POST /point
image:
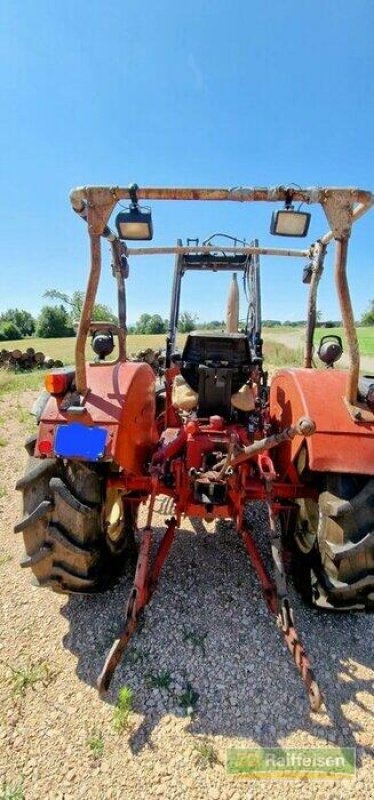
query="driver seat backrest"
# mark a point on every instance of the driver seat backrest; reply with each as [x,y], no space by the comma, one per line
[215,366]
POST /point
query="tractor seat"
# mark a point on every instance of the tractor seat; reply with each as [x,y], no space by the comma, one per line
[215,365]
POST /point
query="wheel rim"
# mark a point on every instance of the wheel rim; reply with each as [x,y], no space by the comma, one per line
[307,525]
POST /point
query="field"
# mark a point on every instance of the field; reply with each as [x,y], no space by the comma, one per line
[277,353]
[283,346]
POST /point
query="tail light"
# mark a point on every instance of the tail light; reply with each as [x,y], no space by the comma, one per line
[59,381]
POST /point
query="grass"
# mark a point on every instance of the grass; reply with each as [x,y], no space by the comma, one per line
[20,382]
[277,354]
[28,677]
[26,419]
[188,700]
[206,754]
[11,792]
[95,743]
[123,709]
[63,349]
[5,559]
[3,441]
[161,680]
[365,338]
[2,492]
[196,639]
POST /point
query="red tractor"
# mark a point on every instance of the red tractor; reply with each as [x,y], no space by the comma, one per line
[207,432]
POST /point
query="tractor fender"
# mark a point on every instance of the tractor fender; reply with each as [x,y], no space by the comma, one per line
[339,444]
[121,399]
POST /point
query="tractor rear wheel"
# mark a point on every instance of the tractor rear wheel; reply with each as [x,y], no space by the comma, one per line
[333,543]
[62,525]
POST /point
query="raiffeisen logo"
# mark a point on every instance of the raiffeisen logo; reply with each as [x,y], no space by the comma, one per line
[276,762]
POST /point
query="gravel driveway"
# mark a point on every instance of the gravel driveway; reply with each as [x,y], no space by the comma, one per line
[206,630]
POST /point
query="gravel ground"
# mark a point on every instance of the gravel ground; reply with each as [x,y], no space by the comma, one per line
[207,626]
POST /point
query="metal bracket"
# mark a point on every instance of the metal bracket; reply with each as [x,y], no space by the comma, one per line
[339,212]
[99,209]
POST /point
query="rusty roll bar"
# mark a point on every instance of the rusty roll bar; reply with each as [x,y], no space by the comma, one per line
[342,289]
[86,314]
[250,250]
[104,195]
[319,251]
[342,206]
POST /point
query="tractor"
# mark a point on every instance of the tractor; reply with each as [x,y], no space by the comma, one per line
[209,432]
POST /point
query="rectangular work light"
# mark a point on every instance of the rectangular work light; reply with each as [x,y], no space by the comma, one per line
[135,223]
[288,222]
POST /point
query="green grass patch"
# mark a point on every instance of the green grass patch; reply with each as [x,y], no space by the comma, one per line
[188,700]
[2,492]
[160,680]
[197,640]
[123,709]
[27,677]
[95,742]
[10,791]
[277,354]
[206,754]
[4,559]
[365,337]
[3,441]
[14,383]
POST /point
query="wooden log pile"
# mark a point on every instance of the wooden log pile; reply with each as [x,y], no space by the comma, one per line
[155,358]
[30,359]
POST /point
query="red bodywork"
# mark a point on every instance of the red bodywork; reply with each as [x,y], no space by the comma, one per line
[120,398]
[340,444]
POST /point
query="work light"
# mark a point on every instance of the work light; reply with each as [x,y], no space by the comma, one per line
[288,222]
[135,222]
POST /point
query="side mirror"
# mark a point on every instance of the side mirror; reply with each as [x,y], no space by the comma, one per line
[330,349]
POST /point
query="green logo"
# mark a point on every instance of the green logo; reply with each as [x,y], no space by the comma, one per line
[305,762]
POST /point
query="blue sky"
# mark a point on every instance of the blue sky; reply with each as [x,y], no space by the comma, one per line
[165,92]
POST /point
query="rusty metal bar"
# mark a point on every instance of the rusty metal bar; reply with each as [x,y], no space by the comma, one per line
[342,289]
[138,598]
[259,251]
[317,270]
[86,313]
[102,195]
[304,427]
[357,213]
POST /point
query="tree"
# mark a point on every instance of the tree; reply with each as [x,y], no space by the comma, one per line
[23,320]
[54,322]
[187,322]
[368,317]
[75,302]
[9,330]
[148,324]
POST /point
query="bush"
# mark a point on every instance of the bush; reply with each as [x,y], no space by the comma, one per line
[22,319]
[368,317]
[187,322]
[9,330]
[54,323]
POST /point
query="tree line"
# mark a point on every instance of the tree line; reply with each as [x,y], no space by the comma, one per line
[55,321]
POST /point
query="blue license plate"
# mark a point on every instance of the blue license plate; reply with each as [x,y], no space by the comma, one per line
[80,441]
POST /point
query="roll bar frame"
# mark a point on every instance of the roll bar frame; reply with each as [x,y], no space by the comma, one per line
[342,207]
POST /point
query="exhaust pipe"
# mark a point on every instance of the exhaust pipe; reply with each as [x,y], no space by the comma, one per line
[232,315]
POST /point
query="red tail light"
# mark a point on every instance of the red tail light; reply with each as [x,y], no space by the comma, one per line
[59,381]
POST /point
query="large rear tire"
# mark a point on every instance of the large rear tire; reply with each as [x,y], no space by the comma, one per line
[62,525]
[333,542]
